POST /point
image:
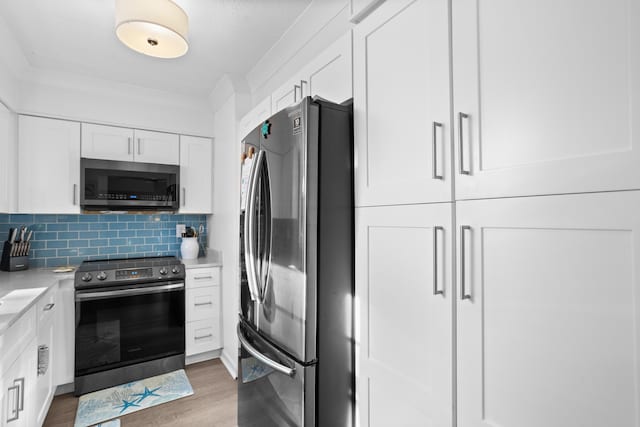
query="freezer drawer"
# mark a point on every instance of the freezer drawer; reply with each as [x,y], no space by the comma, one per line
[273,389]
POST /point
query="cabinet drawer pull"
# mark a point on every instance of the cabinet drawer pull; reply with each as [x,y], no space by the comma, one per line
[463,263]
[436,291]
[139,146]
[461,117]
[204,336]
[434,159]
[199,304]
[15,410]
[48,307]
[203,278]
[129,145]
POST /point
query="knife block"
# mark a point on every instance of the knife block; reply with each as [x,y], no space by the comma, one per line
[14,262]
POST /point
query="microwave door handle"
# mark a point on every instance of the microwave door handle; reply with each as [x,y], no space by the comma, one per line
[261,357]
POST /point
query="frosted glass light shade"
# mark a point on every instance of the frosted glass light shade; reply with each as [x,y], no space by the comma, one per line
[153,27]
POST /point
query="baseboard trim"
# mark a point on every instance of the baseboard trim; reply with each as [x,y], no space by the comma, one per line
[64,389]
[202,357]
[231,367]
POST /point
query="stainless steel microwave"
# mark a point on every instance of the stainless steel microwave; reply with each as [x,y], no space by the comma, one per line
[122,186]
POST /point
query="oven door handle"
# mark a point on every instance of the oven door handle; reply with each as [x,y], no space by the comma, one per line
[129,292]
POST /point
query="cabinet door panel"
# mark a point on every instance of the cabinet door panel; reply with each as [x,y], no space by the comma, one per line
[548,331]
[404,365]
[107,142]
[49,165]
[195,174]
[549,111]
[402,104]
[330,74]
[156,147]
[286,95]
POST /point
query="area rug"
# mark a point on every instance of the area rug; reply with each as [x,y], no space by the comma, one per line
[114,402]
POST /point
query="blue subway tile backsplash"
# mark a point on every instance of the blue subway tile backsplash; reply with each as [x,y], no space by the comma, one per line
[70,239]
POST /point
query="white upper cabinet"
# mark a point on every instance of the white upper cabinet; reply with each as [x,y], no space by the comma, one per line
[404,300]
[49,165]
[156,147]
[402,104]
[548,327]
[287,94]
[133,145]
[107,142]
[195,174]
[544,96]
[329,74]
[254,118]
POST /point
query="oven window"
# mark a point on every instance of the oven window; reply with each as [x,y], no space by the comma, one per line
[120,331]
[103,184]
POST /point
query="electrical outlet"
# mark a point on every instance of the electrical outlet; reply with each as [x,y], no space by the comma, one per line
[180,230]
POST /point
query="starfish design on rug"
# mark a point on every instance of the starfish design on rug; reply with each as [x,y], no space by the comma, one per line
[126,404]
[146,393]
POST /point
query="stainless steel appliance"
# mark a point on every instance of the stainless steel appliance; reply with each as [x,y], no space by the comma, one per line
[296,353]
[115,185]
[129,321]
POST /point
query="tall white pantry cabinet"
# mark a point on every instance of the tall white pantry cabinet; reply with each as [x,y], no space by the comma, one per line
[498,213]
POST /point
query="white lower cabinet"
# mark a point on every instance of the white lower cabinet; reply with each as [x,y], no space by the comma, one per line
[547,311]
[202,310]
[46,347]
[404,302]
[18,384]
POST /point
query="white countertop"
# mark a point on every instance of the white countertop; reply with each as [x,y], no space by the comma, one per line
[213,259]
[19,291]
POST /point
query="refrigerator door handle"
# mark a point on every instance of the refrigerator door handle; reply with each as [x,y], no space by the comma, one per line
[269,232]
[249,253]
[261,357]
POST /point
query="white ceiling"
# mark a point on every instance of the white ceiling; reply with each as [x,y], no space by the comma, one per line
[77,36]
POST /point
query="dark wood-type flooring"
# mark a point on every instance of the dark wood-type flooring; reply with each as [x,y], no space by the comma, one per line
[213,403]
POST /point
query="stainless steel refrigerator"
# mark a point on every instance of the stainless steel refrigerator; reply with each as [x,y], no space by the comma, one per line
[296,355]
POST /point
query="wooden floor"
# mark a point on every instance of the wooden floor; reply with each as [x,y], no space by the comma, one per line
[213,403]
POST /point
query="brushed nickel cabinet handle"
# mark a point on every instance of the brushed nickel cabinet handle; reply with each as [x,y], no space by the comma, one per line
[75,189]
[139,146]
[48,307]
[302,83]
[203,337]
[184,196]
[461,118]
[129,145]
[463,263]
[436,291]
[434,153]
[295,92]
[200,304]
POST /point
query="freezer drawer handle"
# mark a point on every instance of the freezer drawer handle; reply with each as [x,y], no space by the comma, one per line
[199,304]
[262,358]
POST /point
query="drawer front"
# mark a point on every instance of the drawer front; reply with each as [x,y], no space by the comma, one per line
[202,335]
[14,339]
[202,303]
[46,307]
[202,277]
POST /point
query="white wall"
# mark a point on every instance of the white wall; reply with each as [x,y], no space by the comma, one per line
[225,222]
[83,98]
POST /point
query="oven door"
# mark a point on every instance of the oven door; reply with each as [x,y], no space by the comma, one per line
[121,327]
[274,390]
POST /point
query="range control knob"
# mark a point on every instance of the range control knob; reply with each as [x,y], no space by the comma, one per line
[101,276]
[163,271]
[175,269]
[86,277]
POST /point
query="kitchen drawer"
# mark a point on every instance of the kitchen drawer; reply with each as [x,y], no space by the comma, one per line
[45,308]
[14,339]
[202,336]
[202,277]
[203,303]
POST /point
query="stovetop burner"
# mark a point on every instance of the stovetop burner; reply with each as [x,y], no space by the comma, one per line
[116,272]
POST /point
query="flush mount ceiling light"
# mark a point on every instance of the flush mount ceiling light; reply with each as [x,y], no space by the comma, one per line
[153,27]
